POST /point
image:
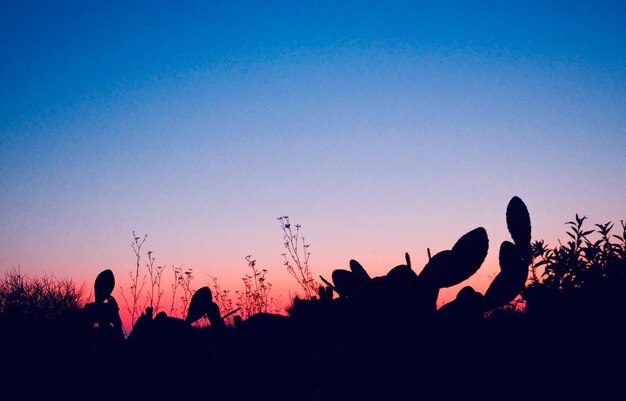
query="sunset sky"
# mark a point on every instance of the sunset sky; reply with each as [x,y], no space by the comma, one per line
[380,127]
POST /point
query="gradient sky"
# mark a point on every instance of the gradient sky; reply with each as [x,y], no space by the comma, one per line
[382,128]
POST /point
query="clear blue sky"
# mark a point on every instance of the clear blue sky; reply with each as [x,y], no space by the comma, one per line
[381,127]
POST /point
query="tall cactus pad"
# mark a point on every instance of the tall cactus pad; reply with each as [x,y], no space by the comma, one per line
[448,268]
[518,222]
[199,304]
[345,282]
[511,279]
[360,274]
[439,271]
[471,251]
[104,285]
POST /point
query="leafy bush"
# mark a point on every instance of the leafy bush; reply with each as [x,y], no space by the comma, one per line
[584,267]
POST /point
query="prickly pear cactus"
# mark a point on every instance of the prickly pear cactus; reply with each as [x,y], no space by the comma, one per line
[511,279]
[450,267]
[199,304]
[360,275]
[470,251]
[344,281]
[437,270]
[468,306]
[325,293]
[518,224]
[104,285]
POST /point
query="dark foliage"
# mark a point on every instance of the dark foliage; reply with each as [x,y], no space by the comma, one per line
[380,338]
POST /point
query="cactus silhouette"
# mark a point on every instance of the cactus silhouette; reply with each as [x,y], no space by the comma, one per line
[451,267]
[467,307]
[346,282]
[360,274]
[199,305]
[470,251]
[104,285]
[325,293]
[511,279]
[149,331]
[104,311]
[372,340]
[514,257]
[518,224]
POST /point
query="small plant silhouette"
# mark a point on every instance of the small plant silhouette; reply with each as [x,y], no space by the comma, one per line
[155,274]
[296,259]
[147,287]
[255,297]
[222,297]
[132,301]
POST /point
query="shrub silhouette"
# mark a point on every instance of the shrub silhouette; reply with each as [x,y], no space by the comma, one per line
[583,274]
[37,299]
